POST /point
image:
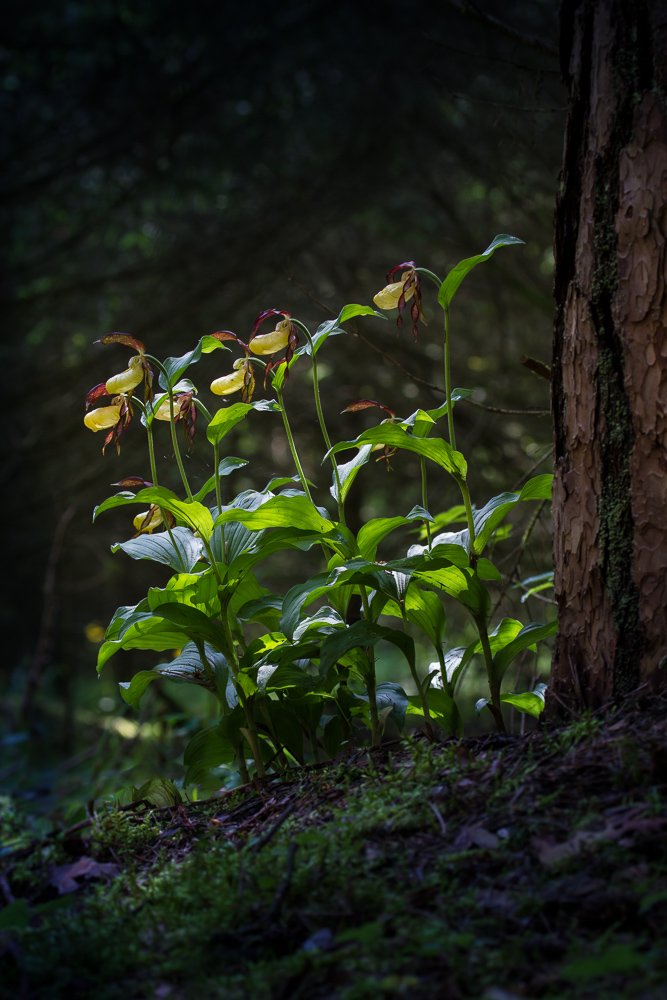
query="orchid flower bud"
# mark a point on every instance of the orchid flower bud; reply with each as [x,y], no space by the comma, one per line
[127,380]
[102,418]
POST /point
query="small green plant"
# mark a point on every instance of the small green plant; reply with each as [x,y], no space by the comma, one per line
[309,683]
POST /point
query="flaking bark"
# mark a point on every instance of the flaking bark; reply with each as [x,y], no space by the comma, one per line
[610,354]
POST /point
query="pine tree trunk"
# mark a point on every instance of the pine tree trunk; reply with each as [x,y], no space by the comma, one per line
[610,355]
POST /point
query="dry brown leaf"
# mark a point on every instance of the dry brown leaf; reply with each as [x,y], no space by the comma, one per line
[64,877]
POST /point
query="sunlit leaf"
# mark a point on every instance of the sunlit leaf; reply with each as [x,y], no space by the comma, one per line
[229,416]
[378,528]
[180,549]
[451,283]
[227,465]
[490,516]
[347,472]
[528,636]
[281,511]
[528,702]
[396,436]
[462,584]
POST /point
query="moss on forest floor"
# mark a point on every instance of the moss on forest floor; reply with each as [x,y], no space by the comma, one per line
[490,868]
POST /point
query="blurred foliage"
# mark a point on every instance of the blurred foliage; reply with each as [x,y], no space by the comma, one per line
[170,170]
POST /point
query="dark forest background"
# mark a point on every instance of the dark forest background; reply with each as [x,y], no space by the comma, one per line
[170,169]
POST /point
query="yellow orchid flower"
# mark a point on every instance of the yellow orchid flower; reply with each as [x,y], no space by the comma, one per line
[127,380]
[163,411]
[102,418]
[269,343]
[388,297]
[227,384]
[396,294]
[148,520]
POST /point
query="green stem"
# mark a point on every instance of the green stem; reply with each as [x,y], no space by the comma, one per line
[494,687]
[448,383]
[240,760]
[172,426]
[216,458]
[422,462]
[370,681]
[174,441]
[418,684]
[320,417]
[250,732]
[429,274]
[295,456]
[218,497]
[376,736]
[465,493]
[151,456]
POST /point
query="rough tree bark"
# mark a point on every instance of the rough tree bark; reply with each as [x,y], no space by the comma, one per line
[610,355]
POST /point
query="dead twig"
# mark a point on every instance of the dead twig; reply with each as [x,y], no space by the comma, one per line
[263,841]
[411,375]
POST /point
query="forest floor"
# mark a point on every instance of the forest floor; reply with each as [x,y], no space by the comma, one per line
[494,867]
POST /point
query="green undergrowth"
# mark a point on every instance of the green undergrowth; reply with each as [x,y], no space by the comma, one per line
[409,871]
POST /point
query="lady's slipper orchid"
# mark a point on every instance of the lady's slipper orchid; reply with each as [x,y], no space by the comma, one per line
[269,343]
[227,384]
[389,296]
[184,409]
[365,404]
[102,418]
[284,337]
[116,418]
[128,380]
[149,520]
[395,295]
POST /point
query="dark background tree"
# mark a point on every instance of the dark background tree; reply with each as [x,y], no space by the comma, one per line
[172,169]
[610,355]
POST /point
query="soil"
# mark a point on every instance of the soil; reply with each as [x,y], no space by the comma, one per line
[495,867]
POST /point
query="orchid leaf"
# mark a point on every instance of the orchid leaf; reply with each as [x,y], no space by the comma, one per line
[180,549]
[451,283]
[527,637]
[363,633]
[396,436]
[281,512]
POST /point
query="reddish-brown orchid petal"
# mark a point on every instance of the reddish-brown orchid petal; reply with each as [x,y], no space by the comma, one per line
[265,315]
[292,345]
[125,416]
[415,313]
[248,390]
[188,414]
[400,267]
[365,404]
[96,393]
[228,335]
[387,453]
[132,481]
[148,381]
[123,338]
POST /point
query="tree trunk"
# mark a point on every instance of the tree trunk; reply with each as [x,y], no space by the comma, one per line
[610,355]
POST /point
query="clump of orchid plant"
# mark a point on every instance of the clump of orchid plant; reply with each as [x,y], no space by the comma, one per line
[294,674]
